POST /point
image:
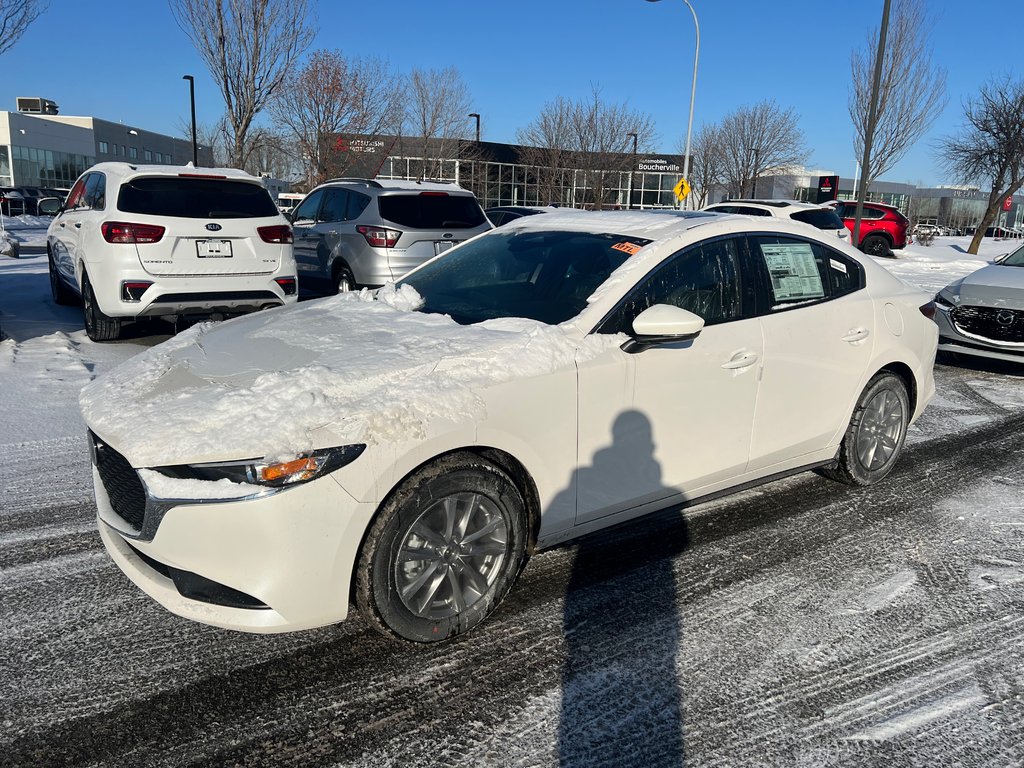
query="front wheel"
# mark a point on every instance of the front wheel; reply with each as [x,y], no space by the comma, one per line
[98,326]
[444,550]
[874,439]
[61,293]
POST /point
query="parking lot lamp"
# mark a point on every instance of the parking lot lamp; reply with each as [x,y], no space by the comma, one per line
[192,100]
[693,88]
[632,169]
[477,116]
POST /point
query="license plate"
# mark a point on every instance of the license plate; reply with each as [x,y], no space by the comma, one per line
[213,249]
[440,246]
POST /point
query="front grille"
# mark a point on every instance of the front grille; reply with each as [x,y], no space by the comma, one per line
[995,323]
[121,482]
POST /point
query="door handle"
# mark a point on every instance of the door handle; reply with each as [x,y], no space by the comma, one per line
[78,225]
[740,360]
[856,334]
[63,224]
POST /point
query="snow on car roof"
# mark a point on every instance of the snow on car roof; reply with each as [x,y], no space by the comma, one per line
[131,170]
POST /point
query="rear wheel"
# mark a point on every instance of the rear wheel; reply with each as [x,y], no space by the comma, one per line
[875,245]
[443,551]
[344,281]
[874,439]
[98,326]
[61,293]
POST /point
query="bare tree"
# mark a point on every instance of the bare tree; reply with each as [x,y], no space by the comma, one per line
[912,91]
[759,140]
[990,147]
[15,18]
[547,143]
[707,165]
[331,95]
[438,107]
[249,46]
[588,138]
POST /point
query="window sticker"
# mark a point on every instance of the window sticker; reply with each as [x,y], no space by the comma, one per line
[838,266]
[630,248]
[793,271]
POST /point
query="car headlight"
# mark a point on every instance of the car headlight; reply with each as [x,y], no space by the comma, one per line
[943,300]
[301,469]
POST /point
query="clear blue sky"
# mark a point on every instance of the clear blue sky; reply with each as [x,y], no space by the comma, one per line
[123,60]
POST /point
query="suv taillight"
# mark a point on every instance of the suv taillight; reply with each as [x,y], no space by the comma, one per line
[379,237]
[278,233]
[123,232]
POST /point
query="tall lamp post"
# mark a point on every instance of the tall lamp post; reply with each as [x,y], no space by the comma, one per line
[632,169]
[192,101]
[693,88]
[477,116]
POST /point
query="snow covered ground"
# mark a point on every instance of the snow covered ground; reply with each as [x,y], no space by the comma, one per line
[798,624]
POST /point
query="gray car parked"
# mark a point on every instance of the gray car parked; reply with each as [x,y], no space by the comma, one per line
[352,233]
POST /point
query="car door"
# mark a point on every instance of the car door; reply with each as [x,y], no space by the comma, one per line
[306,240]
[67,231]
[673,419]
[818,323]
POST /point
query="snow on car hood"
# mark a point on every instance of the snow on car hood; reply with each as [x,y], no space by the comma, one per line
[347,369]
[991,286]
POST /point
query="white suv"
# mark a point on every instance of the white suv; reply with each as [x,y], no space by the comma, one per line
[155,240]
[818,216]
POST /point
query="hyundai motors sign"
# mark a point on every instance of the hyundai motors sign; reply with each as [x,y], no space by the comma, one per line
[828,188]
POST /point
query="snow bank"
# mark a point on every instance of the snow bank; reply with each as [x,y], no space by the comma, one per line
[346,369]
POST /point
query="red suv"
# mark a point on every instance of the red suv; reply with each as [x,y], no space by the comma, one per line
[882,227]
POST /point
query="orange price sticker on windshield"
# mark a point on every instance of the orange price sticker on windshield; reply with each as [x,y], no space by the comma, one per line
[630,248]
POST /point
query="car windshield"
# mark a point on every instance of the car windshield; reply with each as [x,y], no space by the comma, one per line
[195,198]
[1015,259]
[432,210]
[544,276]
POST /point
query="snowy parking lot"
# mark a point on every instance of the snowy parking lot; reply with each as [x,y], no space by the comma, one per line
[801,623]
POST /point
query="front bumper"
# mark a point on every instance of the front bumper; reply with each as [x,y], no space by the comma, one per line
[951,339]
[290,553]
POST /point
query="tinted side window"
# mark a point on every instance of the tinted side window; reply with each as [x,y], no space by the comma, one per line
[335,205]
[432,210]
[306,212]
[95,192]
[844,274]
[195,198]
[704,279]
[357,203]
[748,211]
[77,193]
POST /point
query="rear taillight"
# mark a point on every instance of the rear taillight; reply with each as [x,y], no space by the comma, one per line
[379,237]
[123,232]
[278,233]
[132,290]
[928,310]
[288,284]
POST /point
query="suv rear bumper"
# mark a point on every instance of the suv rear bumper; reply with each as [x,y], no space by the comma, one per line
[206,294]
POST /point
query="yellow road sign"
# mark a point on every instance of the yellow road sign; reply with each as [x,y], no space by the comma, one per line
[682,189]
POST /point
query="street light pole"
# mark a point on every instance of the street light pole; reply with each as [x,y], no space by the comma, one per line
[192,101]
[477,116]
[693,88]
[632,169]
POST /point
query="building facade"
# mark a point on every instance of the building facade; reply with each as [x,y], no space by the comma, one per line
[52,150]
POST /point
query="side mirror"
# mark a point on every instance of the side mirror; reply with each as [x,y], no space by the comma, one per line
[1000,258]
[49,206]
[663,324]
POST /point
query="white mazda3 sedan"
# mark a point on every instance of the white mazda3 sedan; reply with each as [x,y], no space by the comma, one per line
[406,451]
[168,241]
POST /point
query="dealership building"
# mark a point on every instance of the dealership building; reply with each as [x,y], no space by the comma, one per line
[41,148]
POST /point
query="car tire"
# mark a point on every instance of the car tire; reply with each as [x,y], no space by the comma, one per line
[344,281]
[874,438]
[875,245]
[98,326]
[61,293]
[443,551]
